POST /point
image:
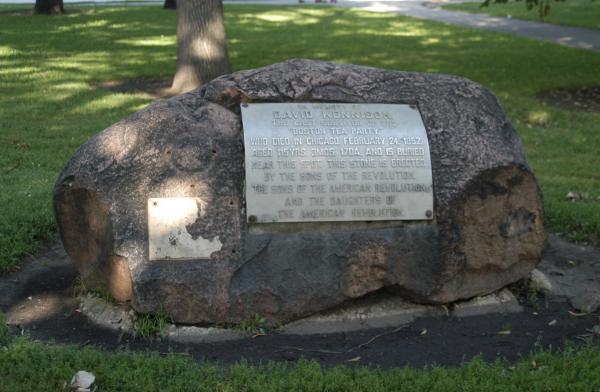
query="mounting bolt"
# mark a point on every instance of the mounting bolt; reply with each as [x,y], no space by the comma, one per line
[429,213]
[252,218]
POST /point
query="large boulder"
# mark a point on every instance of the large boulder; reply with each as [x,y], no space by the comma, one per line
[487,228]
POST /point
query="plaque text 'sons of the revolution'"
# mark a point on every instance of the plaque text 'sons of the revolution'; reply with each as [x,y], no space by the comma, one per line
[312,162]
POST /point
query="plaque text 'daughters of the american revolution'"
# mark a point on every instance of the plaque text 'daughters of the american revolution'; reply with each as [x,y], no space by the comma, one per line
[308,162]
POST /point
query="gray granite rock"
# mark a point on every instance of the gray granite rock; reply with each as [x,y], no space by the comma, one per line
[384,311]
[487,231]
[540,282]
[501,302]
[110,316]
[570,271]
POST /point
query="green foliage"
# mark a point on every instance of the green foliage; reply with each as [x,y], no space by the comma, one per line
[28,366]
[81,289]
[579,13]
[4,336]
[255,324]
[151,326]
[49,104]
[528,293]
[103,294]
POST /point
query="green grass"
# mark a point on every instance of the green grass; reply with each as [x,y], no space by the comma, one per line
[28,366]
[151,326]
[4,332]
[255,324]
[49,105]
[580,13]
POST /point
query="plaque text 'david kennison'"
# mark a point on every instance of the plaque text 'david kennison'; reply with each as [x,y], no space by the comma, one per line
[336,162]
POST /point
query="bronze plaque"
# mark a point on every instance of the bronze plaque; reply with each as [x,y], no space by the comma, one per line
[313,162]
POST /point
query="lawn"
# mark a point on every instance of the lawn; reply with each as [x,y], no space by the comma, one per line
[49,104]
[579,13]
[29,366]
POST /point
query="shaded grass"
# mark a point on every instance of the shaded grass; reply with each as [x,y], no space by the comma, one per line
[48,106]
[151,326]
[578,13]
[28,366]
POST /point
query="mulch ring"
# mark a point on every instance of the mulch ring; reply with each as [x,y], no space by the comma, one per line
[155,88]
[584,99]
[38,300]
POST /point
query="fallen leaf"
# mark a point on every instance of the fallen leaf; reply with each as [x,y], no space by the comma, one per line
[82,381]
[533,364]
[551,323]
[446,310]
[424,332]
[572,263]
[355,359]
[577,196]
[504,332]
[575,314]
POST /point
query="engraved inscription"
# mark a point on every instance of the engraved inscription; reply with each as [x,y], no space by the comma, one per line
[336,162]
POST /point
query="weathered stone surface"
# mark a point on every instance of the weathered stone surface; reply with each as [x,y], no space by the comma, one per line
[570,271]
[384,311]
[539,282]
[111,316]
[501,302]
[487,231]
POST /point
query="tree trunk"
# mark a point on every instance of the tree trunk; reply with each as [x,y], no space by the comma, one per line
[170,4]
[49,7]
[201,44]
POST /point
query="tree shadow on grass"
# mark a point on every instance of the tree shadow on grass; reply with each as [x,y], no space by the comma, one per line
[51,67]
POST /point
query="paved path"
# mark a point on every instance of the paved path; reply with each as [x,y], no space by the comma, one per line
[568,36]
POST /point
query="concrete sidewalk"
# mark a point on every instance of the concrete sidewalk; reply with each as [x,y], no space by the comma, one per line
[575,37]
[568,36]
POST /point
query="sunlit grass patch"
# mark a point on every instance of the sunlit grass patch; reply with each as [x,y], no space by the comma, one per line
[578,13]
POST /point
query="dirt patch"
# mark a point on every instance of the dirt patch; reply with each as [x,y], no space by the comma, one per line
[585,99]
[155,88]
[38,300]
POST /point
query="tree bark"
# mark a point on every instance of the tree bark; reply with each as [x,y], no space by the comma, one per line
[49,7]
[170,4]
[201,44]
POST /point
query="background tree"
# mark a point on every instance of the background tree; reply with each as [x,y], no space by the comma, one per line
[201,44]
[170,4]
[48,7]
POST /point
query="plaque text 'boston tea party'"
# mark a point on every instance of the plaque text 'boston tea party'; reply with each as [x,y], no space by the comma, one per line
[308,162]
